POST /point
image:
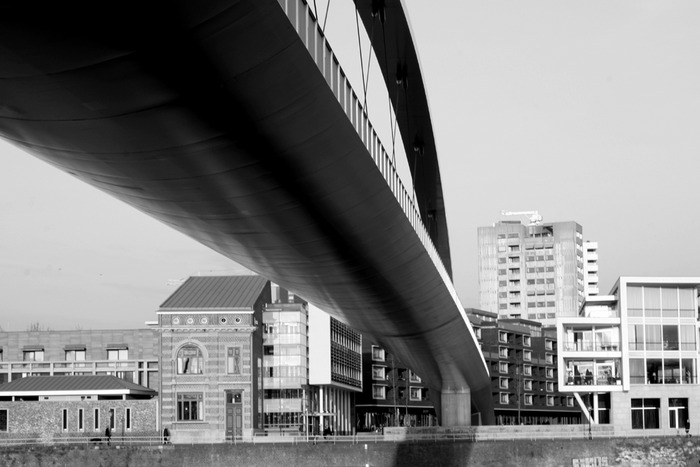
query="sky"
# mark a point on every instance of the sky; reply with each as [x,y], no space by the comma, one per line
[584,111]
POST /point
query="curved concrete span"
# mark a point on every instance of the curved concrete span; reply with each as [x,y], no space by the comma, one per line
[214,118]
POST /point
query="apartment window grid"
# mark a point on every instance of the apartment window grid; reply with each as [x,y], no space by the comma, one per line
[347,365]
[346,336]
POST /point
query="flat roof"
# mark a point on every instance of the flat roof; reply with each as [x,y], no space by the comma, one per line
[72,385]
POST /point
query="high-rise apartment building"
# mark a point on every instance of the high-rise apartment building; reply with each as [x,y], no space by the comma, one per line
[531,271]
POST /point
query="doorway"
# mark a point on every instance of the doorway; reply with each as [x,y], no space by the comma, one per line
[234,414]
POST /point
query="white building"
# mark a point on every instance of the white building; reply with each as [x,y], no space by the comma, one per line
[631,358]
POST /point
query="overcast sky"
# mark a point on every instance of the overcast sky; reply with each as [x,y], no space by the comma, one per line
[584,111]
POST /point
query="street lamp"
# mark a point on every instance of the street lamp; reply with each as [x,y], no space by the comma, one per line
[590,417]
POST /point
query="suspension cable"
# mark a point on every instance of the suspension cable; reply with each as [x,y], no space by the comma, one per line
[359,45]
[315,10]
[325,18]
[369,63]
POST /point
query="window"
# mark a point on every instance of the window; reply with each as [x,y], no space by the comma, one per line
[502,336]
[81,417]
[636,336]
[378,372]
[637,371]
[477,333]
[549,359]
[550,386]
[118,354]
[75,355]
[526,341]
[189,360]
[377,353]
[503,367]
[547,344]
[528,384]
[415,394]
[127,419]
[503,396]
[569,401]
[33,356]
[527,355]
[64,419]
[550,400]
[549,372]
[503,383]
[233,361]
[96,420]
[414,378]
[670,337]
[645,414]
[677,412]
[503,352]
[112,420]
[3,420]
[378,392]
[189,407]
[527,370]
[528,399]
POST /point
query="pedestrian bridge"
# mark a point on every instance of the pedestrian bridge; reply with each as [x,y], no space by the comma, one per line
[234,123]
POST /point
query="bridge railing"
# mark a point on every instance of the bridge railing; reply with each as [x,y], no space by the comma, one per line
[302,18]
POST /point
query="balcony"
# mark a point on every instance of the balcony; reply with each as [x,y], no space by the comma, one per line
[583,346]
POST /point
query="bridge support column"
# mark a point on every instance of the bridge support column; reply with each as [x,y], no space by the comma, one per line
[456,407]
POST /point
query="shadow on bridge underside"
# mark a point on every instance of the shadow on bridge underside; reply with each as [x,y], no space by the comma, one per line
[213,118]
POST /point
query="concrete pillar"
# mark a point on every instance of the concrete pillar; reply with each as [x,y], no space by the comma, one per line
[456,407]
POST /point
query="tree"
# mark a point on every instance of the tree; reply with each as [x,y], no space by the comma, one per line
[37,326]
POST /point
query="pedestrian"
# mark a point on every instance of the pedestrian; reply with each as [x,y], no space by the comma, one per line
[687,427]
[108,435]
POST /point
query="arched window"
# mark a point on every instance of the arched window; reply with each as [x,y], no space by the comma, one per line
[189,360]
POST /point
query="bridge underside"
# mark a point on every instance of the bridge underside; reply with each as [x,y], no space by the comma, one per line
[212,118]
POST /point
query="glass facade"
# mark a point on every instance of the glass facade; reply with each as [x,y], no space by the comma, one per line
[662,334]
[285,365]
